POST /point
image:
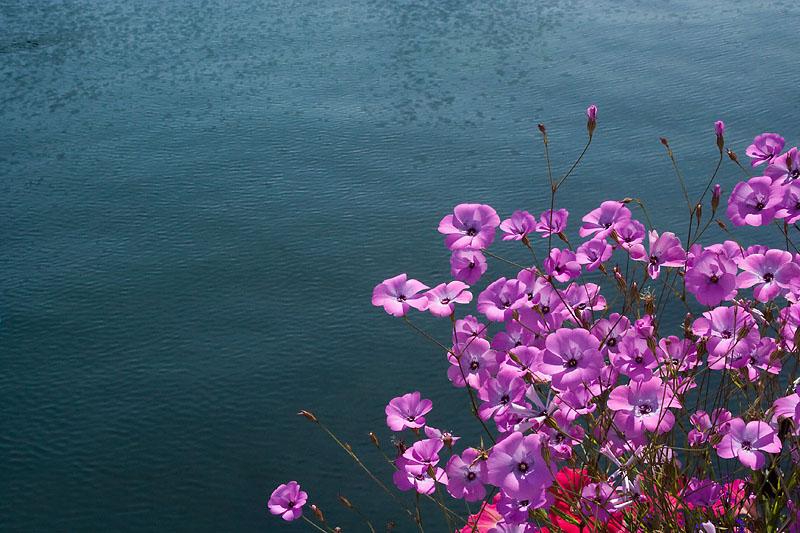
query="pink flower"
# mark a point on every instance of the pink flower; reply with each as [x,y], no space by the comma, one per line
[665,250]
[719,128]
[467,265]
[473,364]
[754,202]
[466,475]
[630,232]
[498,394]
[499,300]
[571,358]
[470,226]
[561,264]
[769,272]
[591,112]
[789,208]
[635,359]
[406,411]
[445,436]
[721,327]
[746,442]
[287,500]
[552,222]
[602,221]
[516,466]
[518,226]
[643,405]
[592,253]
[711,278]
[441,299]
[764,148]
[784,168]
[397,295]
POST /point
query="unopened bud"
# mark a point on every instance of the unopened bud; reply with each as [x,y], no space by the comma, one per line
[546,454]
[715,195]
[317,513]
[698,212]
[390,526]
[626,200]
[621,283]
[542,128]
[345,501]
[308,416]
[634,291]
[664,141]
[591,114]
[721,224]
[602,268]
[687,327]
[337,529]
[732,155]
[374,439]
[719,128]
[563,237]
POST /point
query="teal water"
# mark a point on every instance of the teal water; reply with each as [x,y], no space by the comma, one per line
[198,198]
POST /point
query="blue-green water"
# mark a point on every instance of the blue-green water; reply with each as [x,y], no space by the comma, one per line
[198,198]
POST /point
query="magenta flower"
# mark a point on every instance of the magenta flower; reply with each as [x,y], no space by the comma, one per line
[789,208]
[561,264]
[467,265]
[643,405]
[679,354]
[754,202]
[572,358]
[441,299]
[470,226]
[665,250]
[287,500]
[784,168]
[702,492]
[630,232]
[421,455]
[769,273]
[764,148]
[711,278]
[591,113]
[719,128]
[473,364]
[514,335]
[635,359]
[499,300]
[466,475]
[397,295]
[406,411]
[518,226]
[746,442]
[552,222]
[422,482]
[516,466]
[603,220]
[708,426]
[515,513]
[498,394]
[592,253]
[445,436]
[598,500]
[722,326]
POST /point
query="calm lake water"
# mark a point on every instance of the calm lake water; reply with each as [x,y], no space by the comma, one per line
[198,198]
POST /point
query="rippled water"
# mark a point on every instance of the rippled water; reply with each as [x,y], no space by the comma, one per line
[198,198]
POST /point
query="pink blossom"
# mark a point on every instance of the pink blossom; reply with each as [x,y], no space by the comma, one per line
[722,326]
[552,222]
[421,482]
[397,295]
[630,232]
[665,250]
[643,405]
[441,299]
[287,500]
[466,475]
[445,436]
[498,394]
[470,226]
[769,273]
[784,168]
[473,363]
[467,328]
[499,300]
[753,202]
[592,253]
[789,207]
[571,358]
[518,226]
[602,221]
[406,411]
[746,442]
[711,278]
[467,265]
[516,466]
[635,359]
[679,354]
[561,265]
[764,148]
[423,454]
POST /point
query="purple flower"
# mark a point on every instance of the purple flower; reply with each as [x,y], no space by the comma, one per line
[287,500]
[470,226]
[711,278]
[421,455]
[466,475]
[602,221]
[516,466]
[719,128]
[630,232]
[592,253]
[406,411]
[445,436]
[561,264]
[591,112]
[769,273]
[789,208]
[764,148]
[552,222]
[397,294]
[643,405]
[467,265]
[571,358]
[665,250]
[722,326]
[598,500]
[702,492]
[441,299]
[679,354]
[498,394]
[473,363]
[754,202]
[422,482]
[518,226]
[746,442]
[499,300]
[468,327]
[635,359]
[784,168]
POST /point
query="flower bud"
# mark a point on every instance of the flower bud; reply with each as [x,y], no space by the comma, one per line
[721,224]
[664,142]
[719,128]
[374,439]
[308,416]
[317,513]
[542,128]
[715,196]
[732,156]
[591,113]
[345,501]
[698,212]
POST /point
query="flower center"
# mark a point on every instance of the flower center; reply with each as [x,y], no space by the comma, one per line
[472,265]
[726,334]
[290,505]
[445,301]
[645,409]
[768,277]
[471,476]
[713,279]
[759,206]
[411,418]
[607,225]
[612,342]
[746,445]
[572,363]
[505,399]
[401,297]
[474,365]
[545,310]
[653,260]
[523,467]
[471,232]
[639,359]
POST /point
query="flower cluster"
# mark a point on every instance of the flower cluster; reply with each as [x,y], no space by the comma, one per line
[565,366]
